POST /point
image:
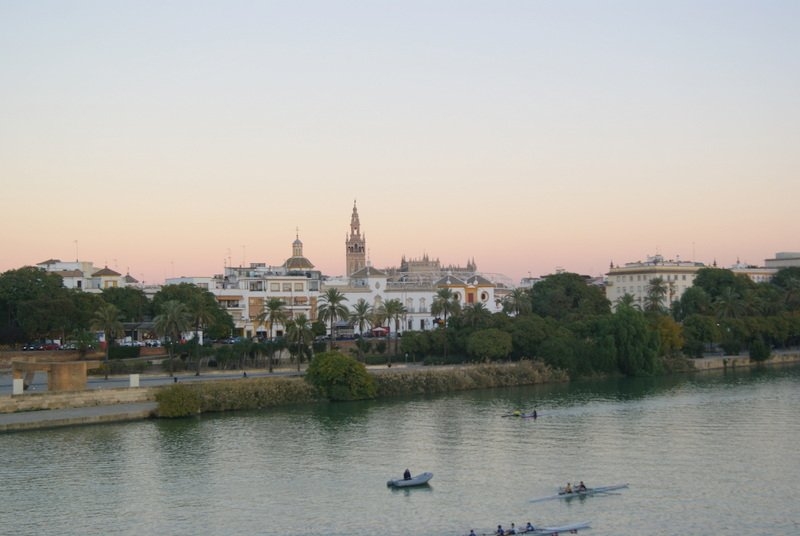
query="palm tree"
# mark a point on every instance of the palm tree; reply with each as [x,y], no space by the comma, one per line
[107,320]
[361,317]
[201,314]
[172,322]
[394,310]
[445,303]
[332,308]
[298,331]
[273,312]
[728,304]
[518,302]
[656,293]
[477,316]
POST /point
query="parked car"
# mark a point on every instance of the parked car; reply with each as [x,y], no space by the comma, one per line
[30,346]
[51,346]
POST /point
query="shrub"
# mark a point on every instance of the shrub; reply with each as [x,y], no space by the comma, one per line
[759,351]
[340,377]
[182,400]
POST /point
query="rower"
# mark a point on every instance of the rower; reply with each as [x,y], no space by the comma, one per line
[500,531]
[581,486]
[407,475]
[529,527]
[568,488]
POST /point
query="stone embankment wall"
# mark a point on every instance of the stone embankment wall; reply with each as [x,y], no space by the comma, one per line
[77,399]
[743,361]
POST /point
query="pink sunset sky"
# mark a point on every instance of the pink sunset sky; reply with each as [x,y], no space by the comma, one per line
[169,139]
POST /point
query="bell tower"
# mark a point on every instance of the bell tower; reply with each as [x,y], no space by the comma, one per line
[356,245]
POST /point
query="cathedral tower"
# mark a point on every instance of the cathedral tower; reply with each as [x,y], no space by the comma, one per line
[356,245]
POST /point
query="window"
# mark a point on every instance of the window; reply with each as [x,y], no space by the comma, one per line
[275,287]
[298,287]
[287,287]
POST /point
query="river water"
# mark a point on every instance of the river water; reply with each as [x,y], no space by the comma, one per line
[715,453]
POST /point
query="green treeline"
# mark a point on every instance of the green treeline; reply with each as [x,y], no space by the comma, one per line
[562,321]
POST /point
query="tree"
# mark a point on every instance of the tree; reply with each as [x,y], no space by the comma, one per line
[107,320]
[171,322]
[186,293]
[567,296]
[518,302]
[201,314]
[476,316]
[19,287]
[728,304]
[394,311]
[332,308]
[445,303]
[656,294]
[489,344]
[637,346]
[273,312]
[340,377]
[361,316]
[132,302]
[299,334]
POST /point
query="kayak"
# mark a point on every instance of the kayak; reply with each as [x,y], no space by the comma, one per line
[585,493]
[419,480]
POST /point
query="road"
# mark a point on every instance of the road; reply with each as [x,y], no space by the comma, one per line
[39,383]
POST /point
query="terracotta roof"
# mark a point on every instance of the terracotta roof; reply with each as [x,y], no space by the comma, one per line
[106,272]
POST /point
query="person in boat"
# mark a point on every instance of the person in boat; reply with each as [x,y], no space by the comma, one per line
[500,531]
[407,475]
[529,527]
[512,530]
[471,532]
[568,488]
[517,413]
[581,486]
[534,414]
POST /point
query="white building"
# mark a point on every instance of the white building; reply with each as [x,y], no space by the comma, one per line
[634,278]
[83,275]
[244,291]
[783,259]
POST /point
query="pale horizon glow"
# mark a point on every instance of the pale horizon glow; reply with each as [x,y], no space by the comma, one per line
[173,139]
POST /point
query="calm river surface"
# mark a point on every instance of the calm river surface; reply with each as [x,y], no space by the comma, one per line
[715,453]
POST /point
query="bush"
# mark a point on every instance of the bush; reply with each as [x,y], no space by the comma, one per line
[179,401]
[182,400]
[482,376]
[340,377]
[759,351]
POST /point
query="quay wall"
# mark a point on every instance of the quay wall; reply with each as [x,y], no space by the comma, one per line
[77,399]
[742,361]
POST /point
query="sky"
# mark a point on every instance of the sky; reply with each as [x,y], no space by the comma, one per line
[168,139]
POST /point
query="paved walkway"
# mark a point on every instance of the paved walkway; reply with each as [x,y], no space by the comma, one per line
[53,418]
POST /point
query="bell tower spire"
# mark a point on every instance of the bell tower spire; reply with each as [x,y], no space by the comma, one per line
[355,245]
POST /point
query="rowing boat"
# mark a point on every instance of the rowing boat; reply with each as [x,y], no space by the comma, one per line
[419,480]
[572,528]
[521,415]
[584,493]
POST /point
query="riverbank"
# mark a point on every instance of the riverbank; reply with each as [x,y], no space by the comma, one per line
[47,410]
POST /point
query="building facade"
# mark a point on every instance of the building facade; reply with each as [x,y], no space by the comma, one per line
[634,279]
